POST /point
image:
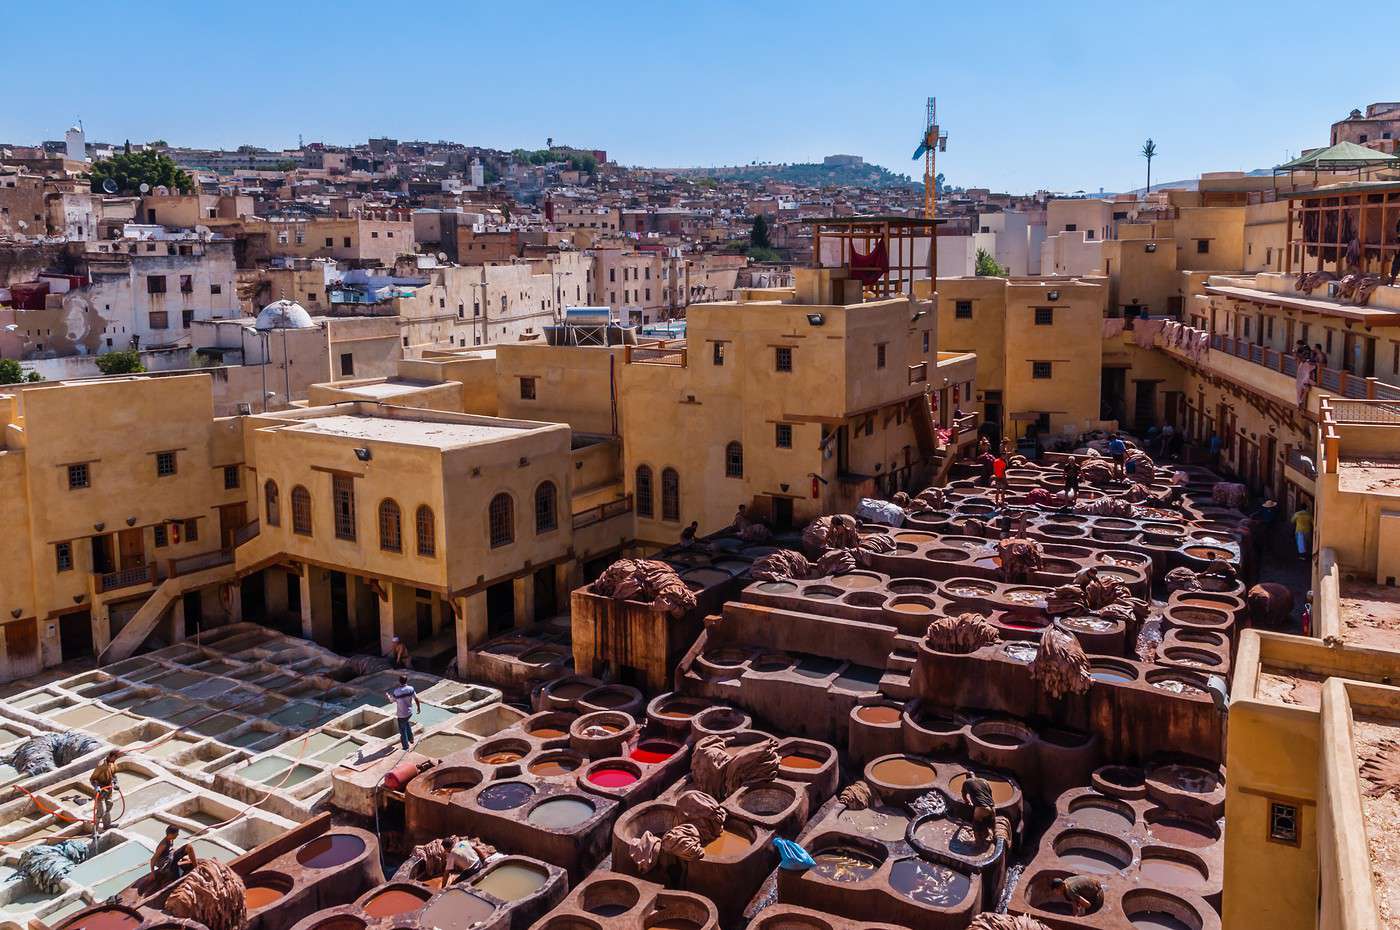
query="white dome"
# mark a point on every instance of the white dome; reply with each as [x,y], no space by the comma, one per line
[283,314]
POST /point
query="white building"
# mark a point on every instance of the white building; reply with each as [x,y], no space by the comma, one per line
[75,144]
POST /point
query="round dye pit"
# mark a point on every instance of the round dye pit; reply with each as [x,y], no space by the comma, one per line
[958,838]
[844,864]
[547,733]
[725,658]
[502,757]
[511,881]
[257,895]
[653,751]
[679,710]
[927,883]
[330,851]
[878,714]
[801,761]
[1178,831]
[505,796]
[561,813]
[1155,910]
[1111,673]
[609,898]
[777,587]
[913,604]
[1003,734]
[1177,684]
[394,901]
[821,592]
[1103,814]
[1208,552]
[904,772]
[612,778]
[456,909]
[609,698]
[730,842]
[1020,651]
[111,918]
[570,690]
[1087,624]
[766,800]
[341,922]
[1003,791]
[1095,853]
[1171,872]
[855,581]
[555,765]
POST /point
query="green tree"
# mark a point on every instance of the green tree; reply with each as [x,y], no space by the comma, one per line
[1149,152]
[764,255]
[758,235]
[12,373]
[129,170]
[122,362]
[987,266]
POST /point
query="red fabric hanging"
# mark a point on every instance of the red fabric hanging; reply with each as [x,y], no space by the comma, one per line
[869,268]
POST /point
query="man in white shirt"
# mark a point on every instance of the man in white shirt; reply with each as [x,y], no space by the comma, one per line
[405,699]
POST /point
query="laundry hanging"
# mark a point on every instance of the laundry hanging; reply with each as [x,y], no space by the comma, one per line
[872,266]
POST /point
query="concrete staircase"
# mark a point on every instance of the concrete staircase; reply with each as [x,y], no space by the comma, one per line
[144,622]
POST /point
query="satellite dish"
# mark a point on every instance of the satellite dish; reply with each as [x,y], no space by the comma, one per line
[22,225]
[145,188]
[162,191]
[109,186]
[442,256]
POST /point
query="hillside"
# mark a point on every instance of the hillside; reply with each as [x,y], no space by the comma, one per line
[812,174]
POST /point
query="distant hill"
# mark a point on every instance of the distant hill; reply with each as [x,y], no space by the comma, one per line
[812,174]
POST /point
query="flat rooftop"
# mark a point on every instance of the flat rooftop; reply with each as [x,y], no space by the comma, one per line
[416,432]
[1369,476]
[381,389]
[1370,615]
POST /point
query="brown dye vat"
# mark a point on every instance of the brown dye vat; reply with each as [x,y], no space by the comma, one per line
[341,922]
[679,710]
[511,881]
[554,767]
[766,801]
[330,851]
[855,581]
[959,838]
[878,714]
[912,586]
[1002,790]
[1083,851]
[394,901]
[571,690]
[912,607]
[610,898]
[456,909]
[1208,552]
[502,757]
[914,537]
[728,658]
[928,883]
[843,864]
[822,593]
[1174,873]
[904,772]
[728,843]
[611,697]
[548,733]
[672,923]
[1174,831]
[1102,814]
[256,896]
[798,760]
[505,796]
[109,919]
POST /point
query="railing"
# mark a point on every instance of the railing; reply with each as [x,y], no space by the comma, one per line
[655,355]
[1364,412]
[918,374]
[1336,380]
[1301,463]
[605,511]
[197,563]
[245,532]
[126,578]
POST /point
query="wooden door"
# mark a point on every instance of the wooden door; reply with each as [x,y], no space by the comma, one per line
[231,518]
[131,548]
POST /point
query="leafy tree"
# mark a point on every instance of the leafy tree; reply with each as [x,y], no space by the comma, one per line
[1149,152]
[122,362]
[583,161]
[158,144]
[987,266]
[764,254]
[286,164]
[758,235]
[131,169]
[938,183]
[12,373]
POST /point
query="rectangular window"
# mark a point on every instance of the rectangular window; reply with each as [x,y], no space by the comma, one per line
[1202,246]
[155,284]
[63,556]
[343,503]
[231,477]
[1044,316]
[77,476]
[347,242]
[162,535]
[159,319]
[186,318]
[925,341]
[347,364]
[880,355]
[165,464]
[330,242]
[186,284]
[963,310]
[216,289]
[719,353]
[191,531]
[527,388]
[783,435]
[1283,823]
[782,358]
[1040,370]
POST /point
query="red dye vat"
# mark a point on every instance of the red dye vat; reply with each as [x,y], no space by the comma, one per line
[652,751]
[612,778]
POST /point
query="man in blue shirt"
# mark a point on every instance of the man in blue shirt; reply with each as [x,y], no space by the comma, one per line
[1119,450]
[405,699]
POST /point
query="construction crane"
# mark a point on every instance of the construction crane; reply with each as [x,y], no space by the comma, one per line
[934,141]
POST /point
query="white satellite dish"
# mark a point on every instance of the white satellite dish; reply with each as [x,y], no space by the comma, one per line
[109,186]
[145,188]
[162,191]
[442,256]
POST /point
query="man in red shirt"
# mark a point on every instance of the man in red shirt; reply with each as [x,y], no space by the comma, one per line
[999,481]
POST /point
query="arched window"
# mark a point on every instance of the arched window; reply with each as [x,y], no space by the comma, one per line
[427,531]
[734,460]
[273,510]
[545,499]
[390,526]
[502,519]
[670,495]
[645,502]
[301,511]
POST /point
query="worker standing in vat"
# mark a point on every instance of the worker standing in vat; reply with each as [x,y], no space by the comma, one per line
[169,863]
[1118,449]
[405,699]
[977,794]
[398,654]
[999,476]
[1071,470]
[104,786]
[1084,894]
[688,534]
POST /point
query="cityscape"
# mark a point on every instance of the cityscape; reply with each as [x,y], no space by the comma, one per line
[416,534]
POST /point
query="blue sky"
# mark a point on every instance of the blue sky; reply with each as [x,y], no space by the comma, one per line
[1031,94]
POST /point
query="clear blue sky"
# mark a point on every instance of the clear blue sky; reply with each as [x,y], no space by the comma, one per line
[1031,94]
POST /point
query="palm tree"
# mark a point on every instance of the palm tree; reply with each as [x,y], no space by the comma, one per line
[1149,152]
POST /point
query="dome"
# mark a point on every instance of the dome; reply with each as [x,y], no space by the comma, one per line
[283,314]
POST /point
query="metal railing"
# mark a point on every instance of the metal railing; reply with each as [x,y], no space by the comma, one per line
[189,564]
[126,578]
[655,355]
[918,374]
[1303,464]
[246,532]
[1337,380]
[1365,412]
[605,511]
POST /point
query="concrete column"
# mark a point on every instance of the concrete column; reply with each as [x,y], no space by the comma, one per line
[307,629]
[101,627]
[235,602]
[177,620]
[471,624]
[568,575]
[524,600]
[386,616]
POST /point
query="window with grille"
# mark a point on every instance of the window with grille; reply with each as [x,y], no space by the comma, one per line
[925,340]
[390,526]
[191,531]
[231,477]
[962,310]
[1202,246]
[670,495]
[1283,823]
[272,512]
[880,355]
[782,358]
[527,388]
[1041,370]
[645,506]
[301,510]
[63,556]
[165,464]
[545,500]
[501,515]
[1044,316]
[734,460]
[78,476]
[783,435]
[162,535]
[427,531]
[719,353]
[343,505]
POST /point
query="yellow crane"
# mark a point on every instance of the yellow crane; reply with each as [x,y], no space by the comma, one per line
[933,142]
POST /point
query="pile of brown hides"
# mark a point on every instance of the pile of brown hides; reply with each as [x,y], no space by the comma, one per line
[719,774]
[780,566]
[962,634]
[1060,665]
[1019,558]
[212,894]
[648,581]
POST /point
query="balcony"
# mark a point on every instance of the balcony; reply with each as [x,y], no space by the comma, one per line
[104,582]
[660,353]
[604,511]
[198,563]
